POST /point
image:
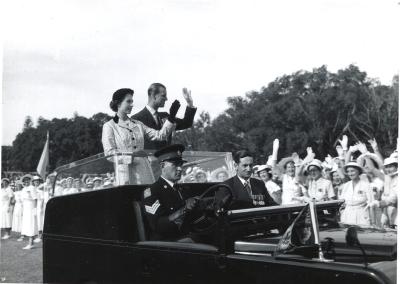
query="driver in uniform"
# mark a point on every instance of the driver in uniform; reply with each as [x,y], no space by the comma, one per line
[166,210]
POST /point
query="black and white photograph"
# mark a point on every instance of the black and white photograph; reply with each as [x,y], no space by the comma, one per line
[199,141]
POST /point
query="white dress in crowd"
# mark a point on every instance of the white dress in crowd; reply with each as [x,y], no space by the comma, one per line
[29,220]
[389,200]
[40,209]
[17,214]
[128,136]
[356,199]
[70,190]
[376,185]
[6,195]
[274,191]
[321,189]
[291,190]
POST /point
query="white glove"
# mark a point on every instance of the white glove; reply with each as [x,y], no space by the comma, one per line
[344,142]
[275,147]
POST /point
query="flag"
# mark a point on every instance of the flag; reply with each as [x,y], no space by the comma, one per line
[302,236]
[44,159]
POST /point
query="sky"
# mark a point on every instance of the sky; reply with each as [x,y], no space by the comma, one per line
[61,57]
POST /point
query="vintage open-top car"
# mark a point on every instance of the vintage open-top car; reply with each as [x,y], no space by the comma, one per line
[101,234]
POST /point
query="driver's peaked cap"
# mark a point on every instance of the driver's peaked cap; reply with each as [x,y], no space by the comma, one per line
[170,153]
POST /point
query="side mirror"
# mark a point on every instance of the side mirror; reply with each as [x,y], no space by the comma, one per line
[352,237]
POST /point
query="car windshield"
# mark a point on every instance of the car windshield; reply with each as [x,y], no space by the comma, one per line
[138,168]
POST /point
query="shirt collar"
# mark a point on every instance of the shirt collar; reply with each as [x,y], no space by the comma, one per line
[151,110]
[243,181]
[169,182]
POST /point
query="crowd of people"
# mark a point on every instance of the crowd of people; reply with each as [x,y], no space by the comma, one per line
[365,180]
[23,202]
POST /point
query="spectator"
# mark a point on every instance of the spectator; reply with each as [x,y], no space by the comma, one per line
[17,214]
[6,199]
[265,174]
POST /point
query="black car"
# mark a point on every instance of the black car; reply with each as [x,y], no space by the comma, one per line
[100,235]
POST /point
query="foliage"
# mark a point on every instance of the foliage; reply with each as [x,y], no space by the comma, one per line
[305,109]
[70,140]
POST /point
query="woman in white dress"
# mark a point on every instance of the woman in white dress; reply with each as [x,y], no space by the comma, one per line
[29,219]
[17,214]
[292,190]
[265,173]
[357,194]
[122,134]
[6,206]
[39,205]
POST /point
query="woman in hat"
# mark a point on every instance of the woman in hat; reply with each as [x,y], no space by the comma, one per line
[29,226]
[122,134]
[319,188]
[356,194]
[6,201]
[17,214]
[219,175]
[292,190]
[39,206]
[372,166]
[390,192]
[265,174]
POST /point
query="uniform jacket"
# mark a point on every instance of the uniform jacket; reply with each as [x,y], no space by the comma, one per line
[241,198]
[160,201]
[147,119]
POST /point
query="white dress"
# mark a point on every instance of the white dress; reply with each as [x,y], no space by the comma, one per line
[274,191]
[291,189]
[6,194]
[389,200]
[321,189]
[17,214]
[376,212]
[29,219]
[40,209]
[356,199]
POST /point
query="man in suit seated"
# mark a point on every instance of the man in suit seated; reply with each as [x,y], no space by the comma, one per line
[157,96]
[247,192]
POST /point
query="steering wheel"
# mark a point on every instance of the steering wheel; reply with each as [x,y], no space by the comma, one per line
[209,208]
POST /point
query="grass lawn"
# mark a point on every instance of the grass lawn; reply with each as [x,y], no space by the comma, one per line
[18,265]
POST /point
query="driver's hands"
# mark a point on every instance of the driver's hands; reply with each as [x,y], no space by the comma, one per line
[191,203]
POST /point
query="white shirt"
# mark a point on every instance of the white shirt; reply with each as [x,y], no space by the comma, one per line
[290,190]
[357,195]
[321,189]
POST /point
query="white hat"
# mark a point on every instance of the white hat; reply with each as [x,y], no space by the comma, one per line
[263,168]
[36,178]
[374,157]
[97,178]
[353,165]
[5,179]
[314,163]
[390,160]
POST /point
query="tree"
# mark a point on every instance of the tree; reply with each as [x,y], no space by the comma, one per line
[306,109]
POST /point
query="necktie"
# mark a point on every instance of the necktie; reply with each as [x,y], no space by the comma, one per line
[158,120]
[248,189]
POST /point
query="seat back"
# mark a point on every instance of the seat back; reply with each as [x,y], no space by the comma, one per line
[139,221]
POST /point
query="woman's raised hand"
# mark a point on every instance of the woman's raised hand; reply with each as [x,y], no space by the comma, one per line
[344,142]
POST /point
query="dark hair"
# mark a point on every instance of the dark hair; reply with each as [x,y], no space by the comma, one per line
[241,154]
[155,89]
[118,96]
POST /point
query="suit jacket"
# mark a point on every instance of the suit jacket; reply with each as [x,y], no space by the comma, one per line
[160,201]
[241,198]
[147,119]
